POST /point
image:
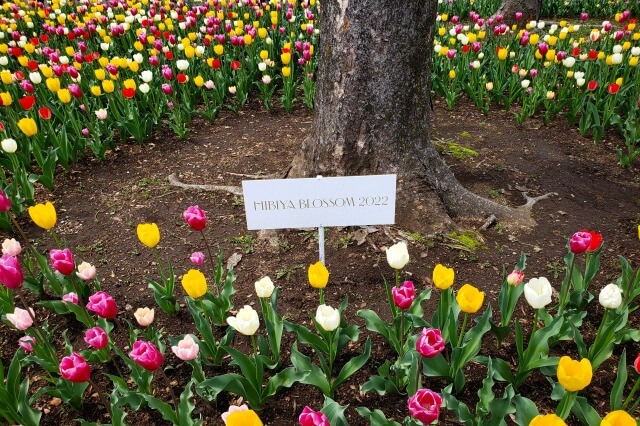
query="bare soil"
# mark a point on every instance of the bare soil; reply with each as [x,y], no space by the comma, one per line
[99,205]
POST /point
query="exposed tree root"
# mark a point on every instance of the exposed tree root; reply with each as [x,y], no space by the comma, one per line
[235,190]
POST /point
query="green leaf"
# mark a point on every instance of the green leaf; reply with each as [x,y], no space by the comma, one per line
[485,393]
[436,366]
[501,370]
[375,324]
[460,408]
[186,405]
[30,416]
[229,382]
[284,379]
[471,343]
[615,399]
[315,377]
[416,306]
[306,337]
[334,412]
[526,410]
[248,366]
[585,412]
[376,417]
[352,366]
[166,410]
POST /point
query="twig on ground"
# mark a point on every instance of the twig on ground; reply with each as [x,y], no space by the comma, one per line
[235,190]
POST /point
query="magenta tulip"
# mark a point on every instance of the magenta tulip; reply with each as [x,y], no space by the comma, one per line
[308,417]
[26,343]
[195,217]
[103,305]
[146,355]
[5,203]
[425,406]
[75,368]
[430,343]
[96,337]
[62,261]
[403,296]
[580,242]
[70,298]
[10,272]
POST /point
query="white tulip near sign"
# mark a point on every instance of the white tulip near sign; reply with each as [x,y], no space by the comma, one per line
[314,202]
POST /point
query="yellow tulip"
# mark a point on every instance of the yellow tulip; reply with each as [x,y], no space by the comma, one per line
[194,283]
[134,66]
[53,84]
[443,277]
[129,84]
[264,55]
[6,98]
[96,91]
[318,275]
[218,49]
[6,76]
[633,61]
[243,418]
[469,299]
[64,95]
[285,58]
[43,215]
[100,73]
[107,86]
[534,38]
[189,52]
[574,375]
[46,70]
[286,71]
[452,74]
[618,418]
[148,234]
[138,46]
[262,33]
[547,420]
[442,31]
[28,126]
[502,53]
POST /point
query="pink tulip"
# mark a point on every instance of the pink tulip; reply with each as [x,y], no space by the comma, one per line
[197,258]
[166,89]
[515,278]
[308,417]
[5,203]
[195,217]
[11,247]
[636,364]
[62,261]
[26,343]
[580,242]
[146,355]
[430,343]
[404,295]
[10,272]
[187,349]
[70,297]
[75,368]
[21,319]
[103,305]
[518,16]
[96,337]
[425,406]
[584,16]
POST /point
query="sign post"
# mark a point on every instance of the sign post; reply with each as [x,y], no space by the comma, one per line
[320,202]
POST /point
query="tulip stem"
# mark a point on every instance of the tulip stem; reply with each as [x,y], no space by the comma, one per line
[534,326]
[55,238]
[564,407]
[21,232]
[401,337]
[594,345]
[564,291]
[464,325]
[158,261]
[198,372]
[213,263]
[321,296]
[255,347]
[173,397]
[630,397]
[103,399]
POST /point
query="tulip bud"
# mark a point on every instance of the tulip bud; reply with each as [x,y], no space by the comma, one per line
[197,258]
[246,321]
[264,287]
[144,316]
[610,296]
[75,368]
[328,317]
[398,255]
[515,278]
[187,349]
[404,295]
[430,343]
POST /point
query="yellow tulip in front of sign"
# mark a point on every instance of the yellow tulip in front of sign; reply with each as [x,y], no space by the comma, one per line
[318,275]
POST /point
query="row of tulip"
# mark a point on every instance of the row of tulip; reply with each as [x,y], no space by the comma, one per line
[444,345]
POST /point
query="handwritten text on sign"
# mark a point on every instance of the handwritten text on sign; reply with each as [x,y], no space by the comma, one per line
[313,202]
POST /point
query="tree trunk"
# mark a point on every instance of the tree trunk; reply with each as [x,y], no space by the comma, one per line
[530,10]
[372,104]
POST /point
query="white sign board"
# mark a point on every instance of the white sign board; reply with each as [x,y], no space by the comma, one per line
[315,202]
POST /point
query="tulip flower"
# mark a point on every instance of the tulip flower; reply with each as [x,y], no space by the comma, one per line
[10,272]
[309,417]
[430,343]
[70,298]
[636,364]
[9,145]
[194,283]
[318,275]
[398,255]
[264,287]
[515,278]
[28,126]
[538,292]
[96,337]
[144,316]
[404,295]
[241,416]
[26,343]
[86,271]
[425,406]
[574,375]
[195,217]
[443,277]
[610,296]
[618,418]
[469,299]
[547,420]
[75,368]
[5,203]
[580,242]
[103,305]
[596,240]
[187,349]
[43,215]
[328,317]
[62,261]
[246,321]
[148,234]
[197,258]
[146,355]
[21,319]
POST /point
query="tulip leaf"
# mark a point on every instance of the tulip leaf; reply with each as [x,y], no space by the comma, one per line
[602,347]
[352,366]
[375,324]
[249,367]
[316,376]
[501,369]
[526,410]
[585,412]
[471,342]
[436,366]
[187,406]
[166,410]
[229,382]
[615,399]
[306,337]
[334,412]
[376,417]
[285,378]
[416,306]
[460,408]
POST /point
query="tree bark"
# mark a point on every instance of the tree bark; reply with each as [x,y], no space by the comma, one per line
[530,10]
[372,105]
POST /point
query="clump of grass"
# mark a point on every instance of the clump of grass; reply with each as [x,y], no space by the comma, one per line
[449,147]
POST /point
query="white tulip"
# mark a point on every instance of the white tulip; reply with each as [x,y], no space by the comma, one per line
[525,83]
[35,77]
[9,145]
[538,292]
[617,49]
[398,255]
[610,296]
[616,58]
[569,62]
[246,321]
[182,64]
[328,317]
[146,76]
[144,88]
[264,287]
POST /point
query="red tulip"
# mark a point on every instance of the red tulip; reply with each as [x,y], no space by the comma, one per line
[596,240]
[62,261]
[27,102]
[592,85]
[613,88]
[636,364]
[235,65]
[216,64]
[75,368]
[182,78]
[593,55]
[45,113]
[128,92]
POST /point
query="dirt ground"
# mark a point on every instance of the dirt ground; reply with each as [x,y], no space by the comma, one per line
[99,205]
